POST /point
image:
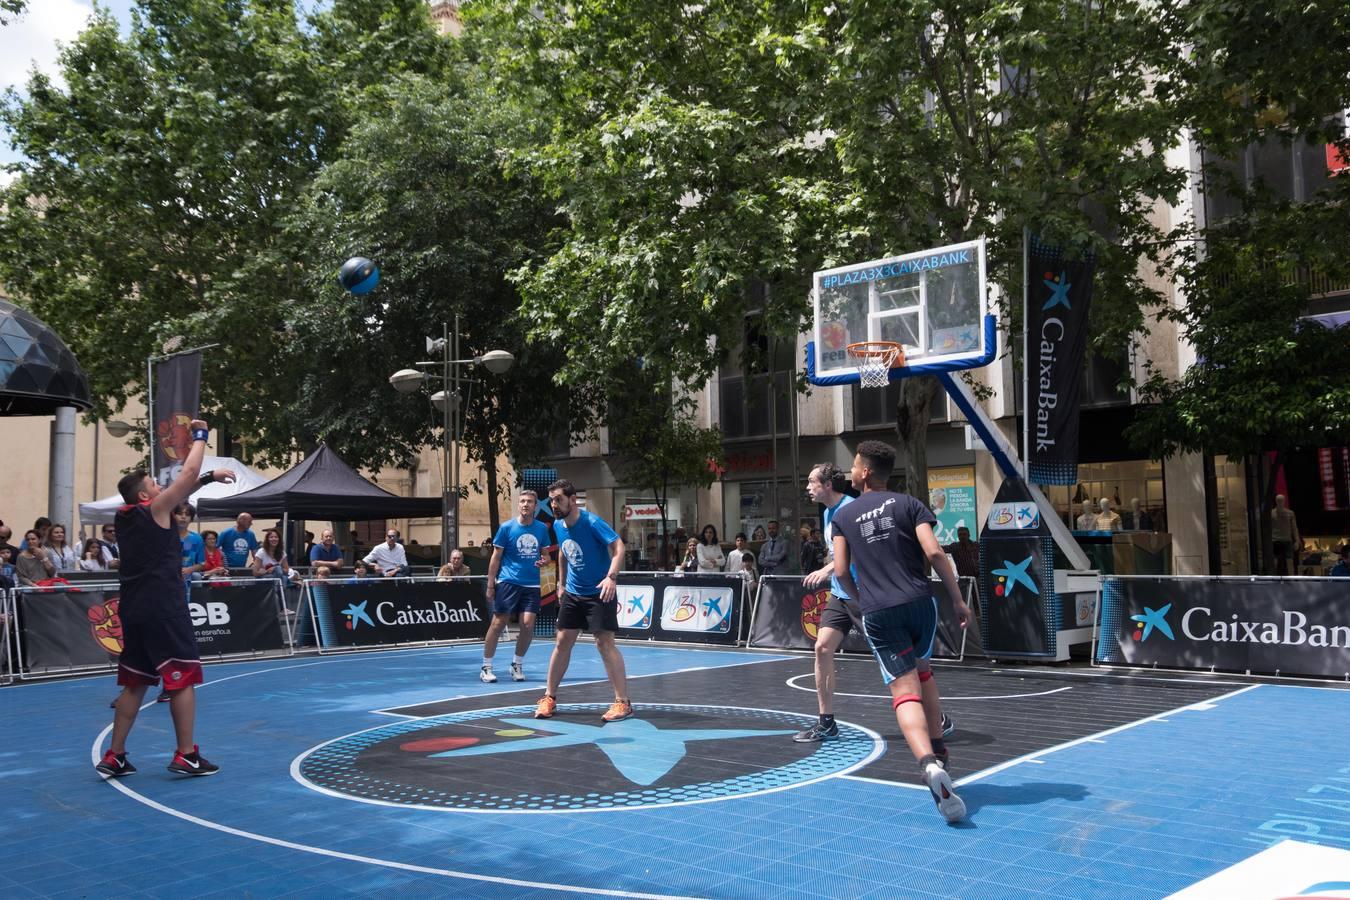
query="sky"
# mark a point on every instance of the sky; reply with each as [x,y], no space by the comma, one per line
[32,41]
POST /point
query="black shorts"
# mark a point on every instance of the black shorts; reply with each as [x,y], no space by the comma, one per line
[588,613]
[901,636]
[841,615]
[155,648]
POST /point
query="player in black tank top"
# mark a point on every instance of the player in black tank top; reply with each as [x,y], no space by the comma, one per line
[157,636]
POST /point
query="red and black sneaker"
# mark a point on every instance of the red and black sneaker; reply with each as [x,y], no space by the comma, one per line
[192,764]
[114,765]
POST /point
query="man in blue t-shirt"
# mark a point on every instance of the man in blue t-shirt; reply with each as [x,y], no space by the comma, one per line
[326,552]
[513,582]
[590,556]
[237,544]
[889,537]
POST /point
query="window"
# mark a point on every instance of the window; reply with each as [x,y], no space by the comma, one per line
[756,383]
[875,407]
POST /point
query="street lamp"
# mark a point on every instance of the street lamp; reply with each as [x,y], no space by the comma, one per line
[446,401]
[119,429]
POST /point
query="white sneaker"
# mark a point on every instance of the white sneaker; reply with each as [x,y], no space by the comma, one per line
[517,672]
[485,675]
[952,807]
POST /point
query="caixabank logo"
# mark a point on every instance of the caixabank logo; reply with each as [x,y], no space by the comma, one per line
[1288,628]
[503,760]
[387,612]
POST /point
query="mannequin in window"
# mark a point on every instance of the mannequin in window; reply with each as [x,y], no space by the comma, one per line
[1284,536]
[1137,519]
[1088,520]
[1107,518]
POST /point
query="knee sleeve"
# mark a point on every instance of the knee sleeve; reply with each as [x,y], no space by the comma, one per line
[905,698]
[926,675]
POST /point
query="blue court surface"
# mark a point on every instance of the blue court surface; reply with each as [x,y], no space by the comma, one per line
[398,772]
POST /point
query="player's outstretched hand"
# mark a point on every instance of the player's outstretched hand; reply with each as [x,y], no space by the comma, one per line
[224,476]
[198,424]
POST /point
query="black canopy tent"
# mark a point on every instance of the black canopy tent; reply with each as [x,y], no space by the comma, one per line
[321,487]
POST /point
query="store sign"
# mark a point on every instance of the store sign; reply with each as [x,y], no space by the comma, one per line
[951,497]
[648,510]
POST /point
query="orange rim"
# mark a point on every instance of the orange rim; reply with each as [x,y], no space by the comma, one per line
[872,349]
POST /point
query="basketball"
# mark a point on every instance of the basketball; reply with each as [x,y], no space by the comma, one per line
[359,275]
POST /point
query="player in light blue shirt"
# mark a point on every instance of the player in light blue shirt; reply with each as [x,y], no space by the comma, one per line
[513,582]
[591,554]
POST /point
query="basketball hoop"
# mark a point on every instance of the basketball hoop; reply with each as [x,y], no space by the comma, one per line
[874,360]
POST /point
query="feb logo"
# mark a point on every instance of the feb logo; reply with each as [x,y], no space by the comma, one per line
[106,625]
[834,335]
[812,606]
[175,438]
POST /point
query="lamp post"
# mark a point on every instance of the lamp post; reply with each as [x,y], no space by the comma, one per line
[446,401]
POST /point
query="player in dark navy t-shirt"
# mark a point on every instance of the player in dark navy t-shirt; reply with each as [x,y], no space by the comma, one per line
[157,636]
[888,538]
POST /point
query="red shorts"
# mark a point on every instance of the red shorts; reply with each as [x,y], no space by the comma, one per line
[158,648]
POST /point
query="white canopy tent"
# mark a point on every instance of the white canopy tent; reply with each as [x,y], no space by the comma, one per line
[246,479]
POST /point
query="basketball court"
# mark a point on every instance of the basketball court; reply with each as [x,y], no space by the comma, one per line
[389,771]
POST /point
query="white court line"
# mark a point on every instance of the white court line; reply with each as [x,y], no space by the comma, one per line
[899,784]
[536,686]
[1199,678]
[791,683]
[1095,738]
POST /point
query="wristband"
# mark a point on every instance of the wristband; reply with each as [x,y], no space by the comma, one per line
[207,477]
[200,434]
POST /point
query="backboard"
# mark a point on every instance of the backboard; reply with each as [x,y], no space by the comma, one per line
[934,302]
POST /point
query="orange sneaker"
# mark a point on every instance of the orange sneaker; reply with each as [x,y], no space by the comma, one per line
[619,709]
[545,708]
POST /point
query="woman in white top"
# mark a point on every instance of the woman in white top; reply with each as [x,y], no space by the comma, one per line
[269,559]
[91,557]
[64,555]
[710,556]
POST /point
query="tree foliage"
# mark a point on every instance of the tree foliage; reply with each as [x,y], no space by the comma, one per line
[156,182]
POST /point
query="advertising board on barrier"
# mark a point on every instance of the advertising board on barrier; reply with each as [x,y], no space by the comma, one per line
[701,608]
[1263,625]
[81,627]
[787,617]
[398,611]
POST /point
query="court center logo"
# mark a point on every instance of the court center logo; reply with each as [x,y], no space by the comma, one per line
[503,760]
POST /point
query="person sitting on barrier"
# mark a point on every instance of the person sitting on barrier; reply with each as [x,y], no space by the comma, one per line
[34,563]
[91,556]
[389,558]
[455,568]
[270,559]
[690,561]
[215,558]
[1342,567]
[326,552]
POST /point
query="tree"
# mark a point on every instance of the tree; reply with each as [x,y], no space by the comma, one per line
[698,147]
[10,9]
[657,442]
[420,187]
[155,184]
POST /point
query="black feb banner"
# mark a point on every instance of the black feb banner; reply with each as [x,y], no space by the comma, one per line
[1290,626]
[1059,292]
[367,612]
[236,617]
[178,381]
[787,617]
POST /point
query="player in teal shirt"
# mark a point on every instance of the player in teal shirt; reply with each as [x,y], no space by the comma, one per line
[591,554]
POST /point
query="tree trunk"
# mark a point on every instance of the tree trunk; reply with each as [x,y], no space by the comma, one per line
[911,427]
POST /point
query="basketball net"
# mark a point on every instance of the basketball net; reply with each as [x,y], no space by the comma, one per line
[874,360]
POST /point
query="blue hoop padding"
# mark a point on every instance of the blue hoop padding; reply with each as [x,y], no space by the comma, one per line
[950,365]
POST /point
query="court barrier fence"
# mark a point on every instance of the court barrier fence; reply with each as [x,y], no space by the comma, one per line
[76,628]
[1252,624]
[786,616]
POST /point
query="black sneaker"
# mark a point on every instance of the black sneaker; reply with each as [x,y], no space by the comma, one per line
[817,733]
[114,766]
[948,726]
[192,764]
[164,697]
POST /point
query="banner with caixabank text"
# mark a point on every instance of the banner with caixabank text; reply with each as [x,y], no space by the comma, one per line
[1059,292]
[375,612]
[1298,626]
